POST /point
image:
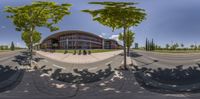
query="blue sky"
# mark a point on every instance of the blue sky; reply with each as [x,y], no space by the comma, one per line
[167,21]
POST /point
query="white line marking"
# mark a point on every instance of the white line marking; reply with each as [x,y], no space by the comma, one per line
[176,95]
[5,58]
[153,58]
[93,68]
[196,60]
[58,66]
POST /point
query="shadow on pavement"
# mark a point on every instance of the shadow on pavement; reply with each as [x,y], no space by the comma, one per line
[23,59]
[163,80]
[37,59]
[6,72]
[134,54]
[10,77]
[145,63]
[79,76]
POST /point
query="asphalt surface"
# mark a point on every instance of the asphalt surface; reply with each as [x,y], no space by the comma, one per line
[155,60]
[108,83]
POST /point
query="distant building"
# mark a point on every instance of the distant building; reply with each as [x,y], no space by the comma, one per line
[75,39]
[136,46]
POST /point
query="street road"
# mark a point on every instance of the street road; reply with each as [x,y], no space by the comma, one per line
[155,60]
[38,84]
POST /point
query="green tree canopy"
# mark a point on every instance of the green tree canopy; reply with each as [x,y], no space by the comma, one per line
[182,45]
[167,46]
[39,14]
[26,38]
[117,14]
[129,38]
[192,46]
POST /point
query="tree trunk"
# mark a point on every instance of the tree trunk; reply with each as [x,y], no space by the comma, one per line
[124,39]
[128,51]
[31,46]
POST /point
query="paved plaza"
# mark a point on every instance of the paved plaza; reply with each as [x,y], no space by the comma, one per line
[80,59]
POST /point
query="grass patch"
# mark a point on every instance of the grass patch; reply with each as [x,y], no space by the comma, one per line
[62,51]
[177,51]
[92,51]
[4,50]
[172,51]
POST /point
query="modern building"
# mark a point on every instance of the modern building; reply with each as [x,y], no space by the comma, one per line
[75,39]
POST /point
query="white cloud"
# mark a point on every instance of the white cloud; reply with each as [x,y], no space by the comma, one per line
[115,37]
[19,44]
[131,28]
[103,34]
[100,36]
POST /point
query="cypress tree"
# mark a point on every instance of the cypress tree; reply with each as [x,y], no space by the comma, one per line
[153,45]
[146,46]
[12,47]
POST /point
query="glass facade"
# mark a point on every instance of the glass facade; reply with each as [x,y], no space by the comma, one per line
[77,40]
